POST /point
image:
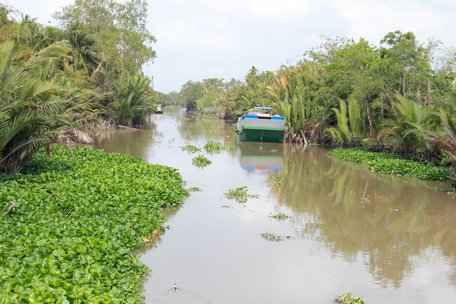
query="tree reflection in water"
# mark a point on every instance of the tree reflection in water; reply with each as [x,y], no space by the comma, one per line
[198,127]
[129,142]
[389,221]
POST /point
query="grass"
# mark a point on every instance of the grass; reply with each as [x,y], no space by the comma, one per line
[201,161]
[240,195]
[390,164]
[78,216]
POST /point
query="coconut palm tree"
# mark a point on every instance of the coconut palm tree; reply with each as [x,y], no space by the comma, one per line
[83,52]
[136,101]
[444,134]
[411,126]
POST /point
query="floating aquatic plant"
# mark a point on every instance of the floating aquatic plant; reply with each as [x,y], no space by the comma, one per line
[78,216]
[272,237]
[279,216]
[348,298]
[193,189]
[240,194]
[275,181]
[191,149]
[201,161]
[213,147]
[390,164]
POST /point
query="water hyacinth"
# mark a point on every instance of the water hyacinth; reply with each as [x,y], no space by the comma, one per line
[201,161]
[348,298]
[390,164]
[279,216]
[213,147]
[240,194]
[191,149]
[78,215]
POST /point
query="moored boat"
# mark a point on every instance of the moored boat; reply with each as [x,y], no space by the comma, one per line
[158,109]
[260,125]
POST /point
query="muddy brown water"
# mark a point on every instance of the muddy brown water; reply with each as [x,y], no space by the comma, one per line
[385,239]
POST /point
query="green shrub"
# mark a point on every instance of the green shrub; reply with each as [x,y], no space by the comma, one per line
[78,215]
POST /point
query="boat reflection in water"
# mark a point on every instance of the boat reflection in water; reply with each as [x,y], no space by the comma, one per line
[261,158]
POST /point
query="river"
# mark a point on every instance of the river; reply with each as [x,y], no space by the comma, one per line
[386,239]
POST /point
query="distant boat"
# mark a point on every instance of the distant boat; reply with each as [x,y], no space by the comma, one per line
[158,109]
[260,125]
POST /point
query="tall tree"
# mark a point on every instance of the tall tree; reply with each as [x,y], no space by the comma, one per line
[406,65]
[118,30]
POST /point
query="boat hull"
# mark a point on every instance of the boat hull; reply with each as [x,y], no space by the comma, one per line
[261,134]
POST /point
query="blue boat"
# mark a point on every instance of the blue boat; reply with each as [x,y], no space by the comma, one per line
[260,125]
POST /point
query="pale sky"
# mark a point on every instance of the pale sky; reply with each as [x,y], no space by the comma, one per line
[223,38]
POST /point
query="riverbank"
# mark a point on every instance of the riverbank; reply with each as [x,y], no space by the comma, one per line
[390,164]
[73,221]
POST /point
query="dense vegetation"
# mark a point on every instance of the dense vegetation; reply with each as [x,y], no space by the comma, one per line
[86,70]
[77,216]
[391,97]
[390,164]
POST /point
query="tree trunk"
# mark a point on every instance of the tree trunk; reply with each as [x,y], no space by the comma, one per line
[13,165]
[403,85]
[369,118]
[428,98]
[303,137]
[97,70]
[48,150]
